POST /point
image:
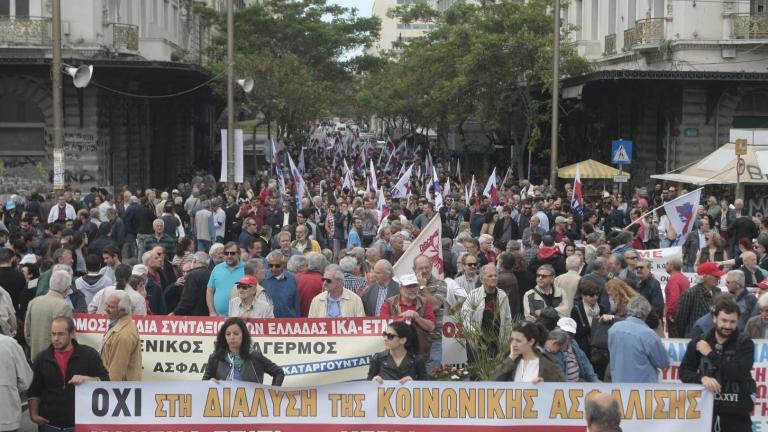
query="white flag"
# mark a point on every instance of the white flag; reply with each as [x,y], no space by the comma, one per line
[428,243]
[374,181]
[681,212]
[403,187]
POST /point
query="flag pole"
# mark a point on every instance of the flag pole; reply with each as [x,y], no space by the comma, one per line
[651,211]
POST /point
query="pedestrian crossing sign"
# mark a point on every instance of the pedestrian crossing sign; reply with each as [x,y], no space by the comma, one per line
[621,152]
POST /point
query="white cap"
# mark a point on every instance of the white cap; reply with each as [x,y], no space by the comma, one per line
[139,270]
[567,324]
[409,279]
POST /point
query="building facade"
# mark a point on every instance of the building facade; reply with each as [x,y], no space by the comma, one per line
[673,76]
[137,123]
[393,31]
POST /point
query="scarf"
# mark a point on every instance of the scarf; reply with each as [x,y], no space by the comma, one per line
[592,312]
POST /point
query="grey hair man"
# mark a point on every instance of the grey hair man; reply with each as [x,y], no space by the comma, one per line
[382,287]
[352,281]
[193,301]
[636,352]
[569,281]
[297,264]
[121,349]
[43,309]
[735,282]
[474,309]
[602,413]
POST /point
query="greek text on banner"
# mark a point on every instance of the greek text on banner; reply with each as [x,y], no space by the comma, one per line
[364,405]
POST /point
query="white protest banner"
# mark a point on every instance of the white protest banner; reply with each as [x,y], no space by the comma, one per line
[418,406]
[311,351]
[428,244]
[676,350]
[659,257]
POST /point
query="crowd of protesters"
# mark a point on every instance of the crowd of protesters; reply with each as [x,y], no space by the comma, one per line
[568,289]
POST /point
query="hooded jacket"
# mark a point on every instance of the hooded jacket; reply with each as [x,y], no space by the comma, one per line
[89,285]
[549,255]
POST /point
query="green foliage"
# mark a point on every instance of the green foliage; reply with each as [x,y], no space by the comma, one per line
[294,52]
[489,62]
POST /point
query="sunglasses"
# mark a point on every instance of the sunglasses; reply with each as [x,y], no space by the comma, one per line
[241,286]
[543,275]
[389,336]
[473,264]
[326,280]
[230,253]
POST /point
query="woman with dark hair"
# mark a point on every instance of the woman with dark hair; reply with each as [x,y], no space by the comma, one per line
[124,281]
[399,361]
[182,254]
[586,312]
[233,359]
[527,362]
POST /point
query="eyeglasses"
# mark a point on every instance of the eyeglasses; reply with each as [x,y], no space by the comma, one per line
[389,336]
[472,264]
[630,257]
[326,280]
[230,253]
[539,275]
[243,287]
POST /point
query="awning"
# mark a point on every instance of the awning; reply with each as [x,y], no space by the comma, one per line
[719,167]
[589,169]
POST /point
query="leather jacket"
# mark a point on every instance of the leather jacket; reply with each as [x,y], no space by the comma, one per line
[253,369]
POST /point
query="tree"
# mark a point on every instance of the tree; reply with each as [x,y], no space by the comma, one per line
[489,62]
[294,52]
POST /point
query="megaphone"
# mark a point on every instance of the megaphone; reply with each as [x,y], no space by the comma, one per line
[246,84]
[81,75]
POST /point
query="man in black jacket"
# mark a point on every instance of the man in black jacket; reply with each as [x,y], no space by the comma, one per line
[192,301]
[722,360]
[51,397]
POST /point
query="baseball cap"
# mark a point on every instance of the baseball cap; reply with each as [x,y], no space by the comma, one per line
[711,269]
[561,219]
[567,324]
[409,279]
[139,270]
[248,280]
[763,285]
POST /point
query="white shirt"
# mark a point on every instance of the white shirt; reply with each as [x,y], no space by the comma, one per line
[527,371]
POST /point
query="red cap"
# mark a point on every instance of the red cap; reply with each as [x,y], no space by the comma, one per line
[763,285]
[248,280]
[711,269]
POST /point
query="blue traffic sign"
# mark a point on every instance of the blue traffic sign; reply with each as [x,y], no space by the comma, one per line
[621,152]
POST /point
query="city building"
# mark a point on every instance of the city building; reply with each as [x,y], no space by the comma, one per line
[137,123]
[393,31]
[673,76]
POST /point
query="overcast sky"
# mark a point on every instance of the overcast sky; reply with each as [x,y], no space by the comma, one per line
[364,7]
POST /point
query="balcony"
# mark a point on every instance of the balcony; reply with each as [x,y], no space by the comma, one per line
[749,26]
[629,39]
[610,44]
[27,31]
[123,38]
[647,34]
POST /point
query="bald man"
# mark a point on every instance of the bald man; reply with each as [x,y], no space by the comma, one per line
[602,413]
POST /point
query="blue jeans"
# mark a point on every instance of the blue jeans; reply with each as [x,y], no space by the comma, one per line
[435,356]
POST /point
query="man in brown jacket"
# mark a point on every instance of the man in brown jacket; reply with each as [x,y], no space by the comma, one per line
[121,350]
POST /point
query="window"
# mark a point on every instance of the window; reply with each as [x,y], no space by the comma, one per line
[5,7]
[579,19]
[611,16]
[631,13]
[593,24]
[165,14]
[22,8]
[22,126]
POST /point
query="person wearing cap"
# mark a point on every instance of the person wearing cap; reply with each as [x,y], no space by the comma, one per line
[697,301]
[335,301]
[410,307]
[561,230]
[568,354]
[252,300]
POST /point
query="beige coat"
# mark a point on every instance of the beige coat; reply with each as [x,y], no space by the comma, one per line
[569,283]
[121,351]
[351,305]
[40,314]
